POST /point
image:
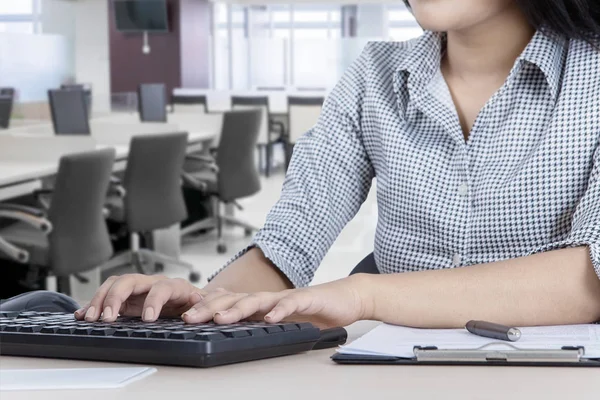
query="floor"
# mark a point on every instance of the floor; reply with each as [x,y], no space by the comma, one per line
[355,241]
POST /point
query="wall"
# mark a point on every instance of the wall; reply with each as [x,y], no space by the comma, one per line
[130,67]
[195,33]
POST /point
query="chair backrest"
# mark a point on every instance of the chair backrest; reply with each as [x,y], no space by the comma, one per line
[238,175]
[87,91]
[189,104]
[152,102]
[69,112]
[303,114]
[152,182]
[239,103]
[80,240]
[6,91]
[6,103]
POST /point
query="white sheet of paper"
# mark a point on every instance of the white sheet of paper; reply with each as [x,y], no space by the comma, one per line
[63,379]
[400,341]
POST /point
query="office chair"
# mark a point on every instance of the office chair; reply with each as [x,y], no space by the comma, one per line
[265,140]
[229,177]
[152,199]
[152,102]
[71,236]
[6,104]
[366,266]
[189,104]
[87,91]
[303,114]
[69,112]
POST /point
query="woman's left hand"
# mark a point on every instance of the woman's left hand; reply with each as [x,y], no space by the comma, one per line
[338,303]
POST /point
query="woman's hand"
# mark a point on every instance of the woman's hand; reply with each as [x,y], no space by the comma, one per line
[333,304]
[138,295]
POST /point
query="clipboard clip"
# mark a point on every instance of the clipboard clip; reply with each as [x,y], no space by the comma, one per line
[485,354]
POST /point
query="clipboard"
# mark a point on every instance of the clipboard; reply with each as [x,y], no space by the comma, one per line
[482,356]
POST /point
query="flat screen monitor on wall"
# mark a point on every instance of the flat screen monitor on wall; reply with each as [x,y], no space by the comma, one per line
[141,15]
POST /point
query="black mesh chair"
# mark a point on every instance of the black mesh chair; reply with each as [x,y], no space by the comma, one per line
[87,92]
[71,236]
[152,102]
[366,266]
[69,112]
[229,177]
[151,199]
[6,104]
[189,104]
[270,132]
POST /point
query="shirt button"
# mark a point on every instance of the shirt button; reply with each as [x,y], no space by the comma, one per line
[463,189]
[456,260]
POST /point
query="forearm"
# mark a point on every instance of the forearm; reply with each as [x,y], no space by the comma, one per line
[558,287]
[251,273]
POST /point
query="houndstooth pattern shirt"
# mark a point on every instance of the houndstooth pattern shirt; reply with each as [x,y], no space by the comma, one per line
[526,181]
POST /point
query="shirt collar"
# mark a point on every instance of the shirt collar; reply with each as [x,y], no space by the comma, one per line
[548,52]
[545,50]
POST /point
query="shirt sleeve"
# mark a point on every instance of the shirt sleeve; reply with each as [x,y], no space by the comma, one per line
[328,179]
[585,228]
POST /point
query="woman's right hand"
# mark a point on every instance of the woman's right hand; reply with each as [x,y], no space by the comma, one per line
[136,295]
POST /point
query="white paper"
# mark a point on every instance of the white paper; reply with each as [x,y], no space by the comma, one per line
[63,379]
[400,341]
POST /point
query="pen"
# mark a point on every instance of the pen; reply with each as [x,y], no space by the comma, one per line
[494,331]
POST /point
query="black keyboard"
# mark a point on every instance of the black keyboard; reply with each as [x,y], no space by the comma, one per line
[166,341]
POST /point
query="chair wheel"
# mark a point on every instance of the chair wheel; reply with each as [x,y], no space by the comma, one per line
[248,232]
[159,267]
[221,248]
[194,277]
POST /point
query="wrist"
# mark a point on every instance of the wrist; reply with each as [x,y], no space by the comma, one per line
[363,286]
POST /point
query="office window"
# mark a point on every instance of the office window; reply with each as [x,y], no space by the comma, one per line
[311,16]
[402,25]
[16,27]
[16,7]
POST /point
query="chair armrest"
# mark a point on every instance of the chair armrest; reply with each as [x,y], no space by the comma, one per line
[190,181]
[29,215]
[36,212]
[14,252]
[208,161]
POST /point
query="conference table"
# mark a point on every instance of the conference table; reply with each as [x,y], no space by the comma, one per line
[30,153]
[313,375]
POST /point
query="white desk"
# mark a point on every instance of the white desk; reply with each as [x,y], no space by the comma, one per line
[220,100]
[313,375]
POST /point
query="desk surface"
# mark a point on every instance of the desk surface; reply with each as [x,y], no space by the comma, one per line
[313,375]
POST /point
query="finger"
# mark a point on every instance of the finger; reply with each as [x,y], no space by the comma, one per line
[246,307]
[177,291]
[122,289]
[205,310]
[294,303]
[92,311]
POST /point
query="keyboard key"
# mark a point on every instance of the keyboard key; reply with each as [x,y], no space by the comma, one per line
[290,327]
[65,331]
[160,334]
[31,328]
[12,328]
[257,332]
[273,328]
[305,325]
[49,329]
[143,333]
[209,336]
[235,333]
[82,331]
[102,331]
[123,332]
[184,335]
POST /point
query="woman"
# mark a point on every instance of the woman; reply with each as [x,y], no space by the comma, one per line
[484,138]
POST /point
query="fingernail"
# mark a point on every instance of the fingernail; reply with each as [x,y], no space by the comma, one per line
[107,314]
[269,315]
[90,313]
[149,314]
[78,312]
[190,312]
[220,313]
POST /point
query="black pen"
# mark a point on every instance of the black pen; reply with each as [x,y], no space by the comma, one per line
[493,331]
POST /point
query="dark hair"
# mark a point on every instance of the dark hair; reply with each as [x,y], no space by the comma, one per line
[574,19]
